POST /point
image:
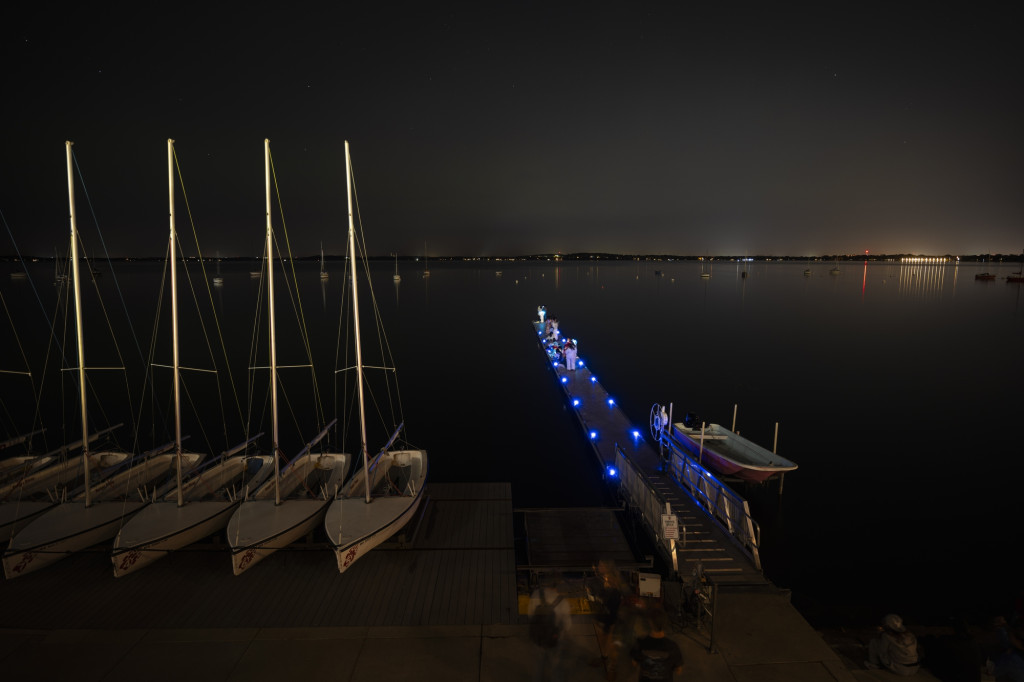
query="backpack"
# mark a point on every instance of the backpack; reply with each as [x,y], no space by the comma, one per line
[543,623]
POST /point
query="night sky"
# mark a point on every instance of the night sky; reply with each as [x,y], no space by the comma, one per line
[524,128]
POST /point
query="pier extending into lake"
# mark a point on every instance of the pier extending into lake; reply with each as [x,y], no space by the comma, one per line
[715,530]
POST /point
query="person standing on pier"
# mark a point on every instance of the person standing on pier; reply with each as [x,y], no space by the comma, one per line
[608,592]
[550,620]
[570,355]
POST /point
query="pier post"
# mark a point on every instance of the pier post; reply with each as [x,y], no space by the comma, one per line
[735,406]
[700,456]
[672,543]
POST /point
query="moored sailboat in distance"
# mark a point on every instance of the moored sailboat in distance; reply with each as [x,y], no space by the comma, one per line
[293,501]
[185,511]
[323,272]
[384,494]
[1019,275]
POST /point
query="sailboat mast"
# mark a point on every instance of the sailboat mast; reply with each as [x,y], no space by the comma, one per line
[273,332]
[78,326]
[174,319]
[355,315]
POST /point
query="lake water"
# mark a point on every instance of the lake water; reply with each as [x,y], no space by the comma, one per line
[897,389]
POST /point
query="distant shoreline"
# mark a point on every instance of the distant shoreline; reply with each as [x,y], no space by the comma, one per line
[942,259]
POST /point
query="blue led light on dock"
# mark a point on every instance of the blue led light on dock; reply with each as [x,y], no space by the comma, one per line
[579,363]
[611,402]
[565,380]
[575,402]
[636,434]
[593,435]
[612,471]
[593,379]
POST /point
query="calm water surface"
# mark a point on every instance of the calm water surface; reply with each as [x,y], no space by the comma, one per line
[897,390]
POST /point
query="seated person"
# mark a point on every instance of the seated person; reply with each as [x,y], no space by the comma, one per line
[894,648]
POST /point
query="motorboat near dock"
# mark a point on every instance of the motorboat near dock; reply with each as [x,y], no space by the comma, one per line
[725,451]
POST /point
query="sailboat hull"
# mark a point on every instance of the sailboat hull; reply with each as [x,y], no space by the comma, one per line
[260,527]
[16,515]
[163,527]
[20,465]
[59,475]
[354,527]
[211,497]
[67,528]
[400,509]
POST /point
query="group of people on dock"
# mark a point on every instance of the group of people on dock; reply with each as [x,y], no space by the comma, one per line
[624,628]
[561,350]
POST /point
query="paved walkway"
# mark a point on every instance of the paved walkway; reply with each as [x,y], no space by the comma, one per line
[759,637]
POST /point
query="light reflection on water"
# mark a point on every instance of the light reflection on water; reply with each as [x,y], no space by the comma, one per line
[896,387]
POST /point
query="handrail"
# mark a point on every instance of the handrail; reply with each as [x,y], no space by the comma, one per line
[723,506]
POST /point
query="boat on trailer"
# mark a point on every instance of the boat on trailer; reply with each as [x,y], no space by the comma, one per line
[728,453]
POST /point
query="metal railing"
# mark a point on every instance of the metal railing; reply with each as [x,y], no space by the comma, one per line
[722,505]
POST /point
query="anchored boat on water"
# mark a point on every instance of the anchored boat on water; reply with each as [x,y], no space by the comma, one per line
[725,451]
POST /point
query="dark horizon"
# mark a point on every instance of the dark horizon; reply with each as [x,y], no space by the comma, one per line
[509,129]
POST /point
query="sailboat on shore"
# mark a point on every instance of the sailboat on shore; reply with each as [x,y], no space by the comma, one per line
[383,495]
[94,512]
[187,509]
[293,502]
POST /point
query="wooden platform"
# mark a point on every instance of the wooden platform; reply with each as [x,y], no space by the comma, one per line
[574,540]
[454,566]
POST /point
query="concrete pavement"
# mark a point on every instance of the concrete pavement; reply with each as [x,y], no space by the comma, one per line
[759,637]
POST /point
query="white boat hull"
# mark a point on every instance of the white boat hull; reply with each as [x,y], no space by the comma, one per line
[63,530]
[163,527]
[16,515]
[354,527]
[731,454]
[210,497]
[57,475]
[401,509]
[260,527]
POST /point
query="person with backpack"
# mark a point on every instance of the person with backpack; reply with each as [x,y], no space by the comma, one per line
[658,658]
[550,619]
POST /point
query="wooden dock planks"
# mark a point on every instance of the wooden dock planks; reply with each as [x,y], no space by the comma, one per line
[460,572]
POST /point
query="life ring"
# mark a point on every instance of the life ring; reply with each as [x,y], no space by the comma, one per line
[655,421]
